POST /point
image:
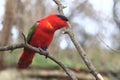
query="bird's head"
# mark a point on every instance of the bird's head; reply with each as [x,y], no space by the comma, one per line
[64,19]
[57,21]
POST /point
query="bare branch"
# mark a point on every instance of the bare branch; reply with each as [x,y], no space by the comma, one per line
[11,47]
[24,37]
[41,52]
[112,50]
[115,16]
[80,50]
[60,6]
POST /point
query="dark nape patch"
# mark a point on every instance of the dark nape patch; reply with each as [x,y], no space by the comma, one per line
[62,17]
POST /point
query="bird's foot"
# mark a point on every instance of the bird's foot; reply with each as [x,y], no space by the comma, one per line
[44,52]
[46,55]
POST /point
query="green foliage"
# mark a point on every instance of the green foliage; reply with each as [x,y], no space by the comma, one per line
[41,61]
[11,58]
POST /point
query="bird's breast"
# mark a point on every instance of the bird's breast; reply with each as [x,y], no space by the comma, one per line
[41,38]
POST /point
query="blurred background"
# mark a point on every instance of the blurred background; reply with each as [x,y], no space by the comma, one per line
[96,23]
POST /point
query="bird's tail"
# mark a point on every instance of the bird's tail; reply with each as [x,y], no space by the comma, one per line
[26,58]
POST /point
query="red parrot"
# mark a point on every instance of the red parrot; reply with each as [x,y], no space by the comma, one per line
[41,35]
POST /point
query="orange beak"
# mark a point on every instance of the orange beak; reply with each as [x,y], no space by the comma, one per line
[67,25]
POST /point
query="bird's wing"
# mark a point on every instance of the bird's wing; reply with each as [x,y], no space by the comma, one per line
[31,32]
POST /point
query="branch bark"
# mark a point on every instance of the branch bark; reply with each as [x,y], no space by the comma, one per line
[80,50]
[115,17]
[41,52]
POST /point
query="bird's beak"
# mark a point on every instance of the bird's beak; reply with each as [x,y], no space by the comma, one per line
[67,25]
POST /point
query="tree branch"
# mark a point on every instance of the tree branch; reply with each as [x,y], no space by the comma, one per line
[80,50]
[41,52]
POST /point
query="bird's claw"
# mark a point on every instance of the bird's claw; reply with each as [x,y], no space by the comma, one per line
[45,53]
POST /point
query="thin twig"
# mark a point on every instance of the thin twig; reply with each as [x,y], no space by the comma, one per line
[101,40]
[25,41]
[80,50]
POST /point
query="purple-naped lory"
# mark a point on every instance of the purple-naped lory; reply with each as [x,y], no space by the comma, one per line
[41,35]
